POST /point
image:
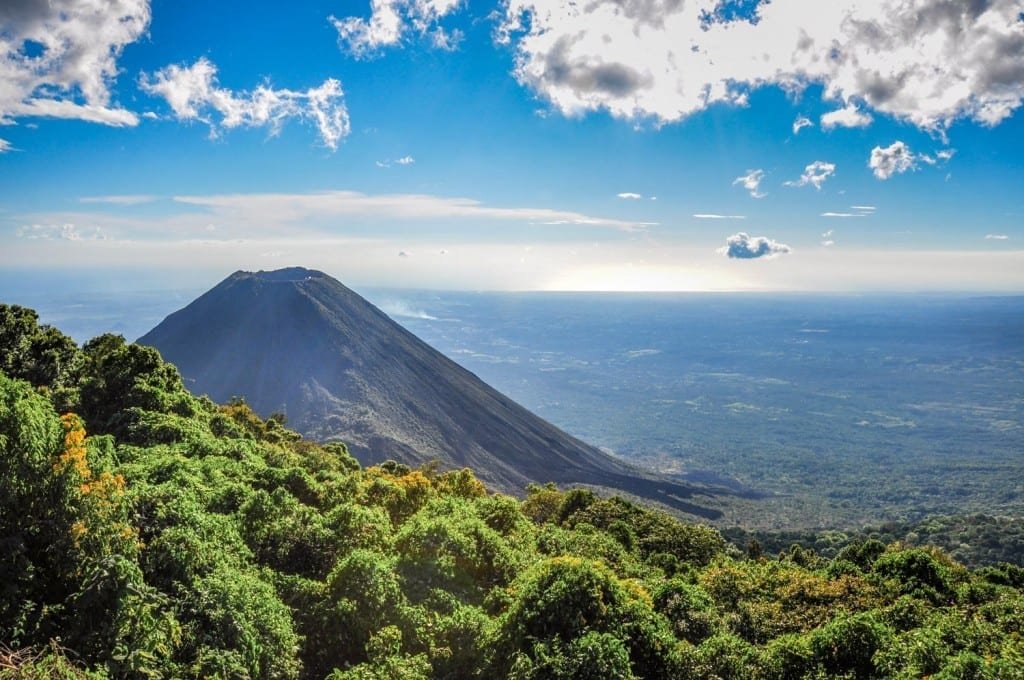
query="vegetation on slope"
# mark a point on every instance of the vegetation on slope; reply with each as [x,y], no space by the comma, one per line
[974,540]
[154,534]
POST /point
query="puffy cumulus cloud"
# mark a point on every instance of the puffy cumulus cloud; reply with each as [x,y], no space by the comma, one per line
[814,174]
[898,158]
[58,58]
[193,93]
[406,160]
[894,159]
[800,123]
[743,246]
[391,20]
[928,62]
[751,182]
[849,117]
[58,232]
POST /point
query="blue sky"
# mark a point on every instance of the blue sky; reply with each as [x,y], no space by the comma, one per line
[526,144]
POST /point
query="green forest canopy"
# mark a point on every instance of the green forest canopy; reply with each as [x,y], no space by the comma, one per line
[146,532]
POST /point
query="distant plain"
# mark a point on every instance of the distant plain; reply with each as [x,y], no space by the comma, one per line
[844,410]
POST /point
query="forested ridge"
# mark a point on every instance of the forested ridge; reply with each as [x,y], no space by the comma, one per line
[145,532]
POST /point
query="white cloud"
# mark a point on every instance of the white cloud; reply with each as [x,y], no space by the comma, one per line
[715,216]
[5,146]
[828,243]
[843,214]
[127,199]
[863,208]
[58,232]
[391,20]
[894,159]
[743,246]
[386,163]
[800,123]
[814,174]
[828,234]
[751,182]
[629,196]
[193,93]
[940,157]
[59,58]
[447,41]
[306,209]
[996,237]
[849,117]
[928,62]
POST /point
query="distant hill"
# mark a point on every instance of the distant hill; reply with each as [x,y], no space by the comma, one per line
[297,341]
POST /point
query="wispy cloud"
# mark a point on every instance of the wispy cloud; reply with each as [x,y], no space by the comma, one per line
[800,123]
[300,208]
[5,146]
[386,163]
[843,214]
[814,175]
[126,199]
[714,216]
[996,237]
[752,182]
[630,196]
[61,232]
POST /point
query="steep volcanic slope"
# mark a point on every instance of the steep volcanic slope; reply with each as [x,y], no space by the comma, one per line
[298,342]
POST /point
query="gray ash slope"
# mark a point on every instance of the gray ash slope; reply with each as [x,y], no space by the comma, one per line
[299,342]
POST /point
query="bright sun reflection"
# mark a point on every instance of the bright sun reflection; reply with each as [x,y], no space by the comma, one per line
[646,278]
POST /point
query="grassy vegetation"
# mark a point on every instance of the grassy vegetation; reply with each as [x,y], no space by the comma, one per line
[156,534]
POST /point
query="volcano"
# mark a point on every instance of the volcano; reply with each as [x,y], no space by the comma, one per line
[296,341]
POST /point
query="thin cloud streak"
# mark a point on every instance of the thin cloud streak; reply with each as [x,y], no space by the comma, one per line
[126,199]
[288,209]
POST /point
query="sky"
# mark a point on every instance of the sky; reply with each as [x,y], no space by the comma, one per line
[792,145]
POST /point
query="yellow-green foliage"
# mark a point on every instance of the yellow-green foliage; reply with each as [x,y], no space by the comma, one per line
[155,534]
